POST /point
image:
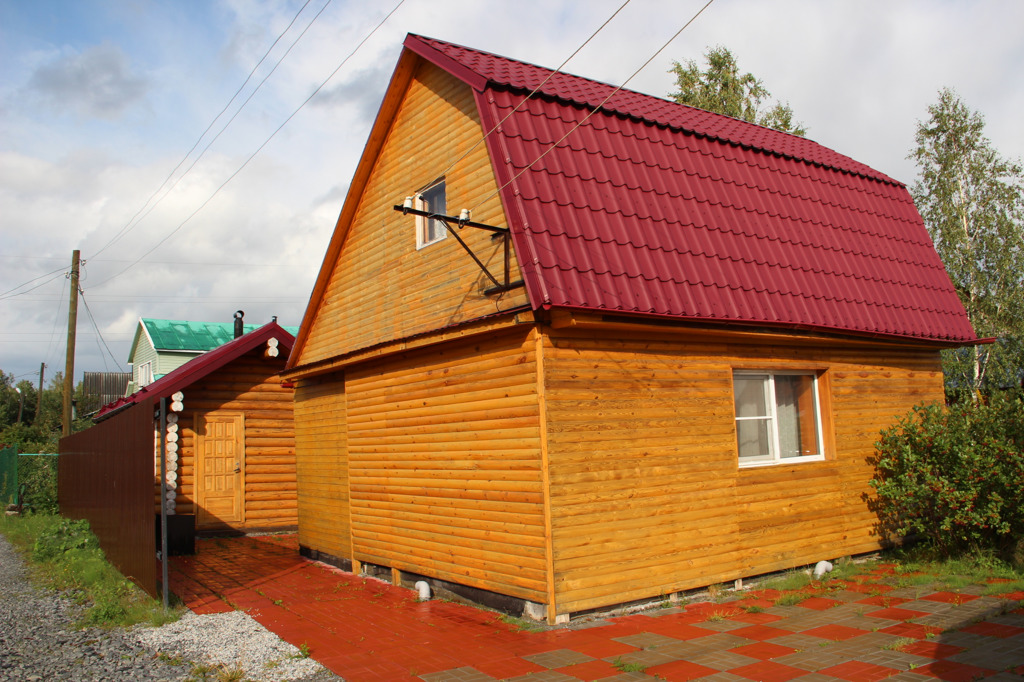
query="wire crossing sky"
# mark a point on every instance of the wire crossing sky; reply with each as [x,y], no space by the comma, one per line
[99,101]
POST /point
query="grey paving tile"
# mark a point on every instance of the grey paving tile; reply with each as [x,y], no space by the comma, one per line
[648,640]
[558,658]
[645,657]
[894,659]
[721,659]
[466,674]
[544,676]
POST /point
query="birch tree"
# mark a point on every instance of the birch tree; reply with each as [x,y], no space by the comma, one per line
[721,88]
[972,202]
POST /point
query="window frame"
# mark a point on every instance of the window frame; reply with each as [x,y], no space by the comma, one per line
[424,225]
[821,420]
[145,373]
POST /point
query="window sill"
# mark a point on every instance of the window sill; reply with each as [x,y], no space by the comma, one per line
[781,462]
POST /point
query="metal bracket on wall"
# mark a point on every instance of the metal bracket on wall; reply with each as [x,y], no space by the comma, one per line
[501,233]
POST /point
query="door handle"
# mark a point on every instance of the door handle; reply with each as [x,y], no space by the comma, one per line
[238,467]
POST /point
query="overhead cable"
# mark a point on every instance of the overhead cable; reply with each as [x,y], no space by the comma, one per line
[258,149]
[596,109]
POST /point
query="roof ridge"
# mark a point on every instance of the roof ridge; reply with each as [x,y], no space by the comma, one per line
[483,70]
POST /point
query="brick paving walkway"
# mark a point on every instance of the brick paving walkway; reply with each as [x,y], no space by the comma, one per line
[364,629]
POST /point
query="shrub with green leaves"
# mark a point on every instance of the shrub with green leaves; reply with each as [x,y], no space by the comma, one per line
[955,476]
[62,537]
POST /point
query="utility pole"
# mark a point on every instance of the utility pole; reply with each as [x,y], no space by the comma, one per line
[69,362]
[39,393]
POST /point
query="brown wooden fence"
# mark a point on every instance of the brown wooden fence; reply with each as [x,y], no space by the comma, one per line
[105,475]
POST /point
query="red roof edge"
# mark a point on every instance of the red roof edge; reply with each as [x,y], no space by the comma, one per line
[199,367]
[472,78]
[751,324]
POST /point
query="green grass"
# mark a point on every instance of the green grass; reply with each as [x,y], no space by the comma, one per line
[789,581]
[65,555]
[627,667]
[791,599]
[520,624]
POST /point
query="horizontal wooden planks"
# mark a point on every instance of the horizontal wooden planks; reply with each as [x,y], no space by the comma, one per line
[444,458]
[646,494]
[322,465]
[382,287]
[250,385]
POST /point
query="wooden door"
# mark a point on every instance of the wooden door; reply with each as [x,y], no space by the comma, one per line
[220,469]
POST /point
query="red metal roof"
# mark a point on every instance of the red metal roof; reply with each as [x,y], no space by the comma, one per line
[655,208]
[202,365]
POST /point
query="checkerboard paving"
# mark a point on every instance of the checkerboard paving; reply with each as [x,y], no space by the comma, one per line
[365,629]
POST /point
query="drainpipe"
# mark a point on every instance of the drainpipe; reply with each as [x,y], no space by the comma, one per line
[239,328]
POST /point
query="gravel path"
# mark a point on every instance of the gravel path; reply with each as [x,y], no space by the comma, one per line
[38,642]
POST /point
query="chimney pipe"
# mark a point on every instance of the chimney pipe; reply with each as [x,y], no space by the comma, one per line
[239,328]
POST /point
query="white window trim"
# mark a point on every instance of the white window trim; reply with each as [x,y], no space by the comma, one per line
[774,458]
[422,222]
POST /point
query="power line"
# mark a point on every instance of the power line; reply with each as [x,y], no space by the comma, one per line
[233,116]
[9,293]
[597,108]
[258,149]
[536,89]
[129,226]
[99,336]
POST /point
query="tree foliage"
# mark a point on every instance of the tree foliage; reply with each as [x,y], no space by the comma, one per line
[724,90]
[953,477]
[972,201]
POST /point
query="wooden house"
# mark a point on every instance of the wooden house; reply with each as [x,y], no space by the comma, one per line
[652,354]
[230,439]
[162,346]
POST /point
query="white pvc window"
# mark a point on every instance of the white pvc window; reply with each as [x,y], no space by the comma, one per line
[146,373]
[430,230]
[778,417]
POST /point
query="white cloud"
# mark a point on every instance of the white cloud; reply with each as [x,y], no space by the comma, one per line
[143,87]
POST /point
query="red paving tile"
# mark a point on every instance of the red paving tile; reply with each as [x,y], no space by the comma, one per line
[364,629]
[680,671]
[819,603]
[914,630]
[763,650]
[856,671]
[768,671]
[759,632]
[949,671]
[950,597]
[932,649]
[993,630]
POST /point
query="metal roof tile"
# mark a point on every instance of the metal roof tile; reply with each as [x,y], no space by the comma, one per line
[650,207]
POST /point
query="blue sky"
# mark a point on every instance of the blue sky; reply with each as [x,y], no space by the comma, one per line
[99,101]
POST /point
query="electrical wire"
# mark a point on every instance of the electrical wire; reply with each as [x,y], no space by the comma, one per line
[595,109]
[258,149]
[9,293]
[129,226]
[233,116]
[99,336]
[536,89]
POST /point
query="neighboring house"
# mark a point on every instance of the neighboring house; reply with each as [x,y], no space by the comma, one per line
[161,346]
[231,445]
[100,388]
[674,377]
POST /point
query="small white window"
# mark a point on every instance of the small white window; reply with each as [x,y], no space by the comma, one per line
[146,373]
[778,417]
[430,230]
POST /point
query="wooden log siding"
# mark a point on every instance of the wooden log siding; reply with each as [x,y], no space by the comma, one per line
[250,385]
[322,465]
[383,288]
[444,464]
[646,494]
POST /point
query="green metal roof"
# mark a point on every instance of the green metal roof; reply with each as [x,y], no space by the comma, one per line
[194,336]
